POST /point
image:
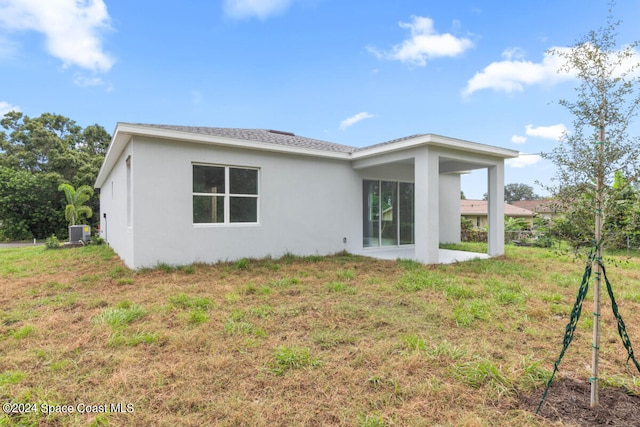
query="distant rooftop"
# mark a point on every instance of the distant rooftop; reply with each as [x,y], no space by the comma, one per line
[540,206]
[480,207]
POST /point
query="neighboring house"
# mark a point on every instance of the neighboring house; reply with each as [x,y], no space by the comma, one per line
[477,212]
[546,209]
[179,195]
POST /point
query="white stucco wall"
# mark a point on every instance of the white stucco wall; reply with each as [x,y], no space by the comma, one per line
[389,172]
[113,203]
[307,206]
[450,208]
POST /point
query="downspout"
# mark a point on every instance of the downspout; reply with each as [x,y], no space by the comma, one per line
[104,215]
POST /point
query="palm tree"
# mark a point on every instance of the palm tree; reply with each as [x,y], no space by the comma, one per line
[75,202]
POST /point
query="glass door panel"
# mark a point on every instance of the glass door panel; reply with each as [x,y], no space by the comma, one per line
[406,198]
[389,213]
[370,213]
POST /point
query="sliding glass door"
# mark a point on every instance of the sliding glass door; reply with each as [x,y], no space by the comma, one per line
[387,208]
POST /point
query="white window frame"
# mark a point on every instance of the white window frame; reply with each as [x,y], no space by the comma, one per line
[227,196]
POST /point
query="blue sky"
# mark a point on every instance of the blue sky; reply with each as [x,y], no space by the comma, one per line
[351,72]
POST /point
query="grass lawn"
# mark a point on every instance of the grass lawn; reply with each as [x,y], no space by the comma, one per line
[342,340]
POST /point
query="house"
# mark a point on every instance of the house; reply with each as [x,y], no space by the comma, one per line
[547,209]
[178,195]
[477,212]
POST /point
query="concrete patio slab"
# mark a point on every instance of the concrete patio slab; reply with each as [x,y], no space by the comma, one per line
[446,256]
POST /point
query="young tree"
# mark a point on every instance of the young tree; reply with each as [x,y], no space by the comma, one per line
[76,200]
[599,145]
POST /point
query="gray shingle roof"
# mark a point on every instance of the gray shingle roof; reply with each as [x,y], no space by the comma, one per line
[260,135]
[393,141]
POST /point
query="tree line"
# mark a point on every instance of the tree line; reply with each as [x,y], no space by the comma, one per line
[573,220]
[37,156]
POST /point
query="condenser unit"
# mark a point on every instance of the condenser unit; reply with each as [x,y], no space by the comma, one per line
[79,233]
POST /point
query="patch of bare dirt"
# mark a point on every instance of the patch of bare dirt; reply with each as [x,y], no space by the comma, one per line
[568,401]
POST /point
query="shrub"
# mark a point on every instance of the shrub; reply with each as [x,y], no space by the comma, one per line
[96,240]
[52,242]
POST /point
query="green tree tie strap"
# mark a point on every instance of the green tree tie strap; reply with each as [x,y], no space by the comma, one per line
[575,316]
[622,330]
[571,326]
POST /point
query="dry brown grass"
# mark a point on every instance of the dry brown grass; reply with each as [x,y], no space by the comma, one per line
[387,343]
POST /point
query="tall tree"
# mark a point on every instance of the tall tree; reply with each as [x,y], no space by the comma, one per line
[52,149]
[52,143]
[599,145]
[30,205]
[516,192]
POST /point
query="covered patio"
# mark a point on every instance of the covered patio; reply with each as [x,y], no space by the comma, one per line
[433,165]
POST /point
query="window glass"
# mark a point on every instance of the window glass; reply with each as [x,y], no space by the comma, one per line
[208,209]
[243,209]
[208,179]
[243,181]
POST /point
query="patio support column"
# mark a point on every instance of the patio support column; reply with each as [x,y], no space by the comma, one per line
[426,174]
[496,209]
[449,207]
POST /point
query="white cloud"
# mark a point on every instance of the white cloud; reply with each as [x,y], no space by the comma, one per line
[554,132]
[72,28]
[261,9]
[517,139]
[5,107]
[513,53]
[514,73]
[84,81]
[354,119]
[523,160]
[424,44]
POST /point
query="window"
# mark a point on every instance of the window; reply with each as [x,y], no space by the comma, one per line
[387,213]
[225,195]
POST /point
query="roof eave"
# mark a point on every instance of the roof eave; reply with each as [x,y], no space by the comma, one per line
[116,147]
[436,141]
